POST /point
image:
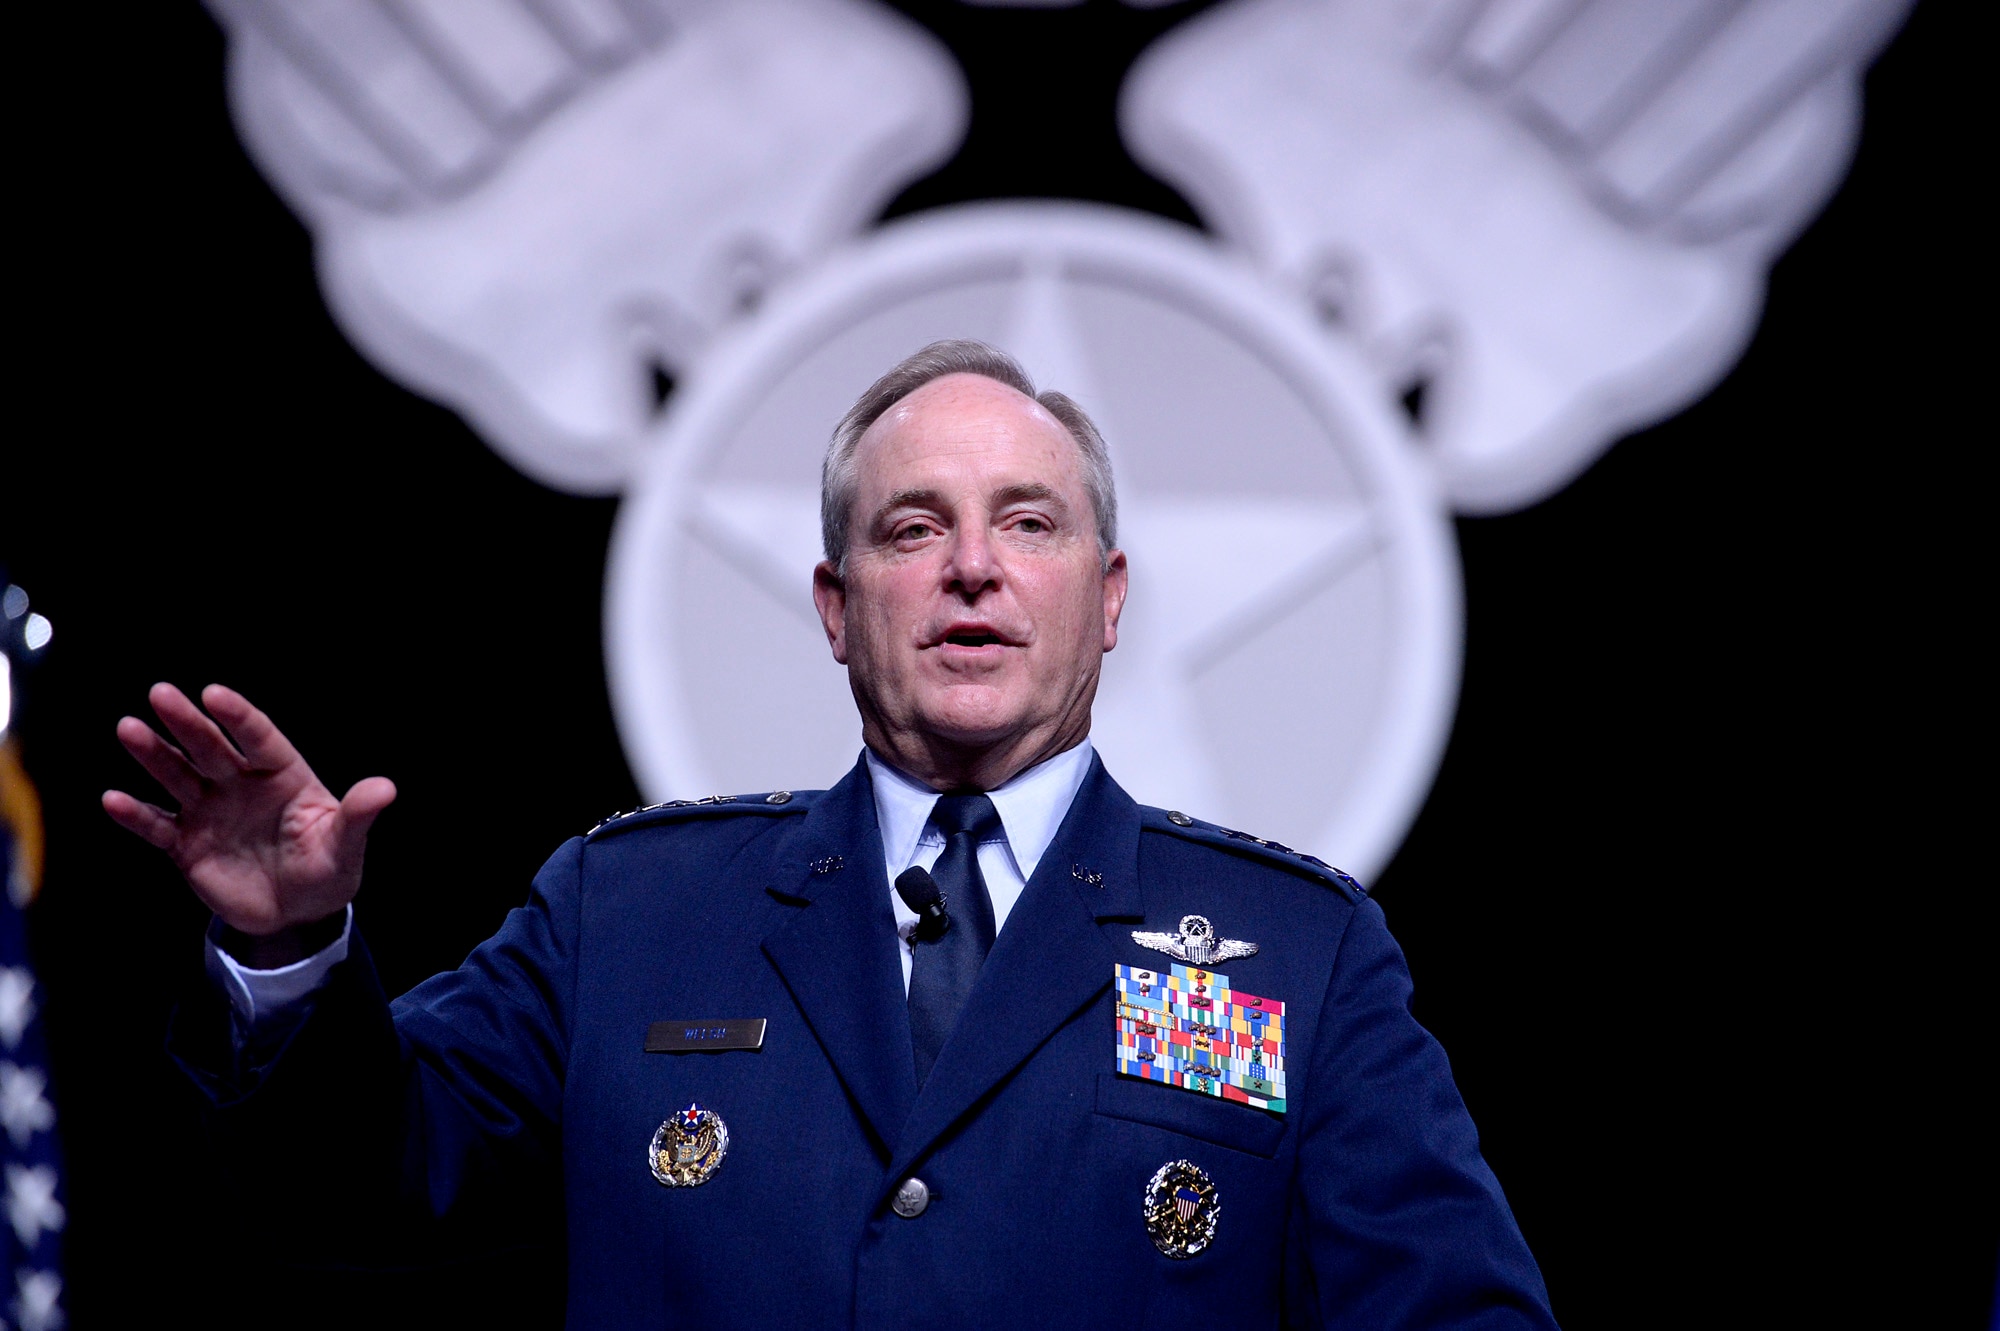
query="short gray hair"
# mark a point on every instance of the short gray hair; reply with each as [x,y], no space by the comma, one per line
[839,475]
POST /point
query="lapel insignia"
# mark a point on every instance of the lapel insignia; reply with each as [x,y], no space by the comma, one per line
[1195,942]
[688,1148]
[1181,1209]
[1190,1028]
[827,865]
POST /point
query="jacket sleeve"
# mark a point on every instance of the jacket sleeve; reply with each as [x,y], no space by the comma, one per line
[1398,1221]
[386,1132]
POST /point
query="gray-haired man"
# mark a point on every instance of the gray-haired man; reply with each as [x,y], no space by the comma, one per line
[969,1038]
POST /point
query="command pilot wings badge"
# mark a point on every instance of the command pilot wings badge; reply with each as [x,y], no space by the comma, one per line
[1196,943]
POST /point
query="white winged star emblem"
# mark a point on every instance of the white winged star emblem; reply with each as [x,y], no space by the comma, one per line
[1195,943]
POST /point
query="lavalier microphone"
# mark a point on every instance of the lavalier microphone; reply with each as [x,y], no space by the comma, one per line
[921,894]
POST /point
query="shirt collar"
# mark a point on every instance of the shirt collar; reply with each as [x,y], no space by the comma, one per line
[1031,805]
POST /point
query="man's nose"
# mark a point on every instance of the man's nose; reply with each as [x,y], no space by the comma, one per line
[973,567]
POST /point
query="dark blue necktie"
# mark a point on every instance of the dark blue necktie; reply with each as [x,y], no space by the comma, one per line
[943,968]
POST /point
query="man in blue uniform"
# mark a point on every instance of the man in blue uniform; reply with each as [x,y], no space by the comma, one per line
[969,1038]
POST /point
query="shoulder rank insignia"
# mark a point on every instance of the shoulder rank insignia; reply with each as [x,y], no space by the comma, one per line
[1345,879]
[669,804]
[1196,943]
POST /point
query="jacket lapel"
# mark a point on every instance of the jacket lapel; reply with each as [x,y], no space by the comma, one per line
[1050,960]
[837,954]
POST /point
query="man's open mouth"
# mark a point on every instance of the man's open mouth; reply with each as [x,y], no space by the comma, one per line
[973,639]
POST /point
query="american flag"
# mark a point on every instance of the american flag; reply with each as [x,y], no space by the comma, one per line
[31,1284]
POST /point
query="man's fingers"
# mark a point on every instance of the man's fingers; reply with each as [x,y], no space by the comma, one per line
[152,825]
[162,761]
[359,809]
[262,743]
[211,753]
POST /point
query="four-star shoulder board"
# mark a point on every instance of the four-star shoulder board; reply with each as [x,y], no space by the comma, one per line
[1228,838]
[773,802]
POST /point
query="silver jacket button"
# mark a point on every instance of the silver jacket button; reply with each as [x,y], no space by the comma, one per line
[778,797]
[912,1199]
[1178,819]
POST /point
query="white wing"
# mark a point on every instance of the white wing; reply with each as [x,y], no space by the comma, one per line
[1170,943]
[530,209]
[1551,218]
[1228,948]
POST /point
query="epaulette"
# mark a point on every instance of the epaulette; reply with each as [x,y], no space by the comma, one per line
[1176,823]
[776,801]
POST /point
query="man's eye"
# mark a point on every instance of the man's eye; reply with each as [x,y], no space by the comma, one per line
[914,532]
[1031,525]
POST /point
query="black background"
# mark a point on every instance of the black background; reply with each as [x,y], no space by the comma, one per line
[1694,905]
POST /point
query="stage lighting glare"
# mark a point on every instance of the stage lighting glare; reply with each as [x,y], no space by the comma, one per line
[14,603]
[6,693]
[37,632]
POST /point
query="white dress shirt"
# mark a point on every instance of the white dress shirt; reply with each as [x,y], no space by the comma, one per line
[259,995]
[1031,806]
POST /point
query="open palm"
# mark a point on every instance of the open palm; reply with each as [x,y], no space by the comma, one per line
[259,838]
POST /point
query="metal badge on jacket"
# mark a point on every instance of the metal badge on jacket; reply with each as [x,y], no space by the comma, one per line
[1181,1209]
[1196,942]
[688,1148]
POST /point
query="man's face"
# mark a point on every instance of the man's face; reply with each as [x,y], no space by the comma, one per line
[975,608]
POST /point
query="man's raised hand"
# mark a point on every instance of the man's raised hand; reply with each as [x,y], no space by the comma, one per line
[261,841]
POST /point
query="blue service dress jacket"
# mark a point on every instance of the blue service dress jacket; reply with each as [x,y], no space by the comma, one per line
[523,1074]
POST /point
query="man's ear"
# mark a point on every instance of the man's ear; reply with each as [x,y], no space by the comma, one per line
[830,598]
[1116,584]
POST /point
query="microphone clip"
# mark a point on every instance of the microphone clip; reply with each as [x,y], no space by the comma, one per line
[921,894]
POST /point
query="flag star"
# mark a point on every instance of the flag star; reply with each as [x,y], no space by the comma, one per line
[24,1103]
[17,1003]
[31,1203]
[35,1300]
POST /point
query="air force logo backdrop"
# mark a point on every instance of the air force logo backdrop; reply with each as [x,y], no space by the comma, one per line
[1289,651]
[1459,247]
